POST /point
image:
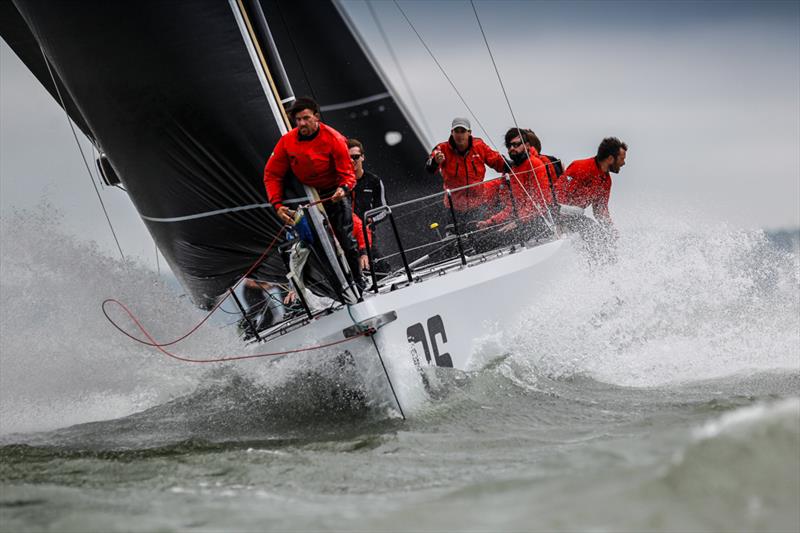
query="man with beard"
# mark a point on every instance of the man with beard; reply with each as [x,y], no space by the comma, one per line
[530,197]
[317,155]
[588,182]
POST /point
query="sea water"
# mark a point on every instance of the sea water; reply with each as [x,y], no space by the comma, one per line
[658,393]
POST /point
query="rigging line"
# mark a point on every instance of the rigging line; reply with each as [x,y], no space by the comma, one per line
[513,116]
[400,70]
[453,85]
[551,222]
[296,52]
[80,149]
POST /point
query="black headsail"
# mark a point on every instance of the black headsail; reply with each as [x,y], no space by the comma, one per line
[169,92]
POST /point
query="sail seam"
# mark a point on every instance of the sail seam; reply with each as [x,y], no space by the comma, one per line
[353,103]
[207,213]
[222,211]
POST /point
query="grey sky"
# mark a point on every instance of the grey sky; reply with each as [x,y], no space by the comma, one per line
[707,95]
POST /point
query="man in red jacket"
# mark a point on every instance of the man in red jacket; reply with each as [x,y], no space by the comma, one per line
[462,160]
[588,182]
[317,155]
[530,200]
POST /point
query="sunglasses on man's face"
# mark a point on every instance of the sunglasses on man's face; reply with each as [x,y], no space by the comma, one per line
[514,144]
[356,157]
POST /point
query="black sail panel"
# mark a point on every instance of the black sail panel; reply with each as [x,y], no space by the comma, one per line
[169,92]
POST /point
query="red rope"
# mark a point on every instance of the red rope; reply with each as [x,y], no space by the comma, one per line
[203,321]
[160,347]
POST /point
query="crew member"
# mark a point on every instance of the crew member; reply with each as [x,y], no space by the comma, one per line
[530,197]
[368,193]
[317,155]
[462,160]
[551,163]
[588,182]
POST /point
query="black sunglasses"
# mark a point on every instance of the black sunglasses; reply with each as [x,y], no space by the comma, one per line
[514,144]
[356,157]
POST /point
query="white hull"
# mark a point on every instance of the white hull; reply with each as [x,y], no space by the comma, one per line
[439,320]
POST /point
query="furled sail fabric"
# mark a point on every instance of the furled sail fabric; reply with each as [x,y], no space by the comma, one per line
[169,92]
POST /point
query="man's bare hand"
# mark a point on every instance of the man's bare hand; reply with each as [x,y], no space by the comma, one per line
[482,224]
[509,227]
[338,195]
[438,156]
[363,261]
[286,215]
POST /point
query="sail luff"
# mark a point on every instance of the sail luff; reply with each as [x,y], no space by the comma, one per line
[381,73]
[260,65]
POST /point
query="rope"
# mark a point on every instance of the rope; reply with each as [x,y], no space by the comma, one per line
[514,118]
[441,68]
[550,222]
[213,309]
[85,163]
[160,347]
[197,326]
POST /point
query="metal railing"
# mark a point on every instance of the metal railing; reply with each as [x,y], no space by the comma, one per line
[458,236]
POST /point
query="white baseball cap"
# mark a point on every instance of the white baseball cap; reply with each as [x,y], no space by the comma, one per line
[459,122]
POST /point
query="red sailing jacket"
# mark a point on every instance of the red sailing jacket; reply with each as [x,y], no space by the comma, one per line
[529,185]
[358,233]
[322,162]
[465,169]
[584,184]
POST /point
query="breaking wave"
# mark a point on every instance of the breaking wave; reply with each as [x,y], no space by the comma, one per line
[743,467]
[684,302]
[62,362]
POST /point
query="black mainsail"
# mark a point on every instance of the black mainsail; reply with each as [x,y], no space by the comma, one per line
[172,96]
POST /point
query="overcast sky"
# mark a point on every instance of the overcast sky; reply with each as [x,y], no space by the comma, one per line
[707,95]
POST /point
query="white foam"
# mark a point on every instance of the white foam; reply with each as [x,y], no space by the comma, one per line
[788,408]
[685,302]
[62,363]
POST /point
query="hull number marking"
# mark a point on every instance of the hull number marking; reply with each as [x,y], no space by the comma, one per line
[416,334]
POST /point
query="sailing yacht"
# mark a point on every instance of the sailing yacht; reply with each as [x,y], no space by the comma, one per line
[184,102]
